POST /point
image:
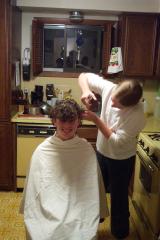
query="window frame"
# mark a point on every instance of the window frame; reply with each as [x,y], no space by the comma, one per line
[37,44]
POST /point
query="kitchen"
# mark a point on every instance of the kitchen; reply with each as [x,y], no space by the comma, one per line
[151,84]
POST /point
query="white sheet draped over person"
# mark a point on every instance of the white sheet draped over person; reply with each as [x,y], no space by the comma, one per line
[63,191]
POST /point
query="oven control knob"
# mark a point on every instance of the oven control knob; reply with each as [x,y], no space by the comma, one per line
[141,143]
[147,150]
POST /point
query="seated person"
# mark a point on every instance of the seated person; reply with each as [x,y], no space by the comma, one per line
[62,194]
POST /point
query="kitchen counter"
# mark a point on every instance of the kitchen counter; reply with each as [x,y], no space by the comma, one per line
[43,119]
[26,118]
[152,124]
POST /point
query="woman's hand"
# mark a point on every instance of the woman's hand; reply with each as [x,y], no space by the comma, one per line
[88,98]
[90,116]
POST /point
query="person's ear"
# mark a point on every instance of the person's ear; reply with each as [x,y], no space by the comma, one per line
[54,121]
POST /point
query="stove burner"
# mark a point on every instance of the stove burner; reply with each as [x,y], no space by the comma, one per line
[155,136]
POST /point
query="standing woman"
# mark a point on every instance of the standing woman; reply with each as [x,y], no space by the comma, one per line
[119,124]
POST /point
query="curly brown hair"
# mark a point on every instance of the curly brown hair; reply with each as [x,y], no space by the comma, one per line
[66,110]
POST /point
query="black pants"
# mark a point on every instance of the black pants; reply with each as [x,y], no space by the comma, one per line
[116,175]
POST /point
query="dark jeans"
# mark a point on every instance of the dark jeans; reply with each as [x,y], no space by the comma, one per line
[116,175]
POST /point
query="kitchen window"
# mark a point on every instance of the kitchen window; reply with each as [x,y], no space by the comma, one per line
[62,48]
[72,48]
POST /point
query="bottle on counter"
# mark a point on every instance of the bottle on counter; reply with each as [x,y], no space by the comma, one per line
[50,93]
[26,105]
[145,107]
[157,107]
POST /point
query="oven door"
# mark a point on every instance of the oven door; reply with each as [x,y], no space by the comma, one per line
[25,148]
[146,197]
[148,175]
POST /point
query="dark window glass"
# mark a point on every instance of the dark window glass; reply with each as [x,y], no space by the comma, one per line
[72,48]
[53,46]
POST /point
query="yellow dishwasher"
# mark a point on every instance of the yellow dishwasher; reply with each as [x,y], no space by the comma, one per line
[29,136]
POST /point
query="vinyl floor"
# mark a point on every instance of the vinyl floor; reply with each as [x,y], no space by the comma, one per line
[12,226]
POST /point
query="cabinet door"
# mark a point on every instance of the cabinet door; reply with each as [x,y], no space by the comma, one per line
[157,62]
[4,71]
[7,157]
[89,133]
[139,44]
[10,46]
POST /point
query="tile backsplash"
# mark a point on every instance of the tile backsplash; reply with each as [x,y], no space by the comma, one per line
[150,88]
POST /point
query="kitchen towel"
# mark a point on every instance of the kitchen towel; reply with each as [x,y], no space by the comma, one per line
[115,62]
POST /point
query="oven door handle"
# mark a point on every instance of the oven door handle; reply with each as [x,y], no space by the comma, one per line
[144,163]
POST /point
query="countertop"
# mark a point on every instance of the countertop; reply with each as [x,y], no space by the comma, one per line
[152,124]
[42,119]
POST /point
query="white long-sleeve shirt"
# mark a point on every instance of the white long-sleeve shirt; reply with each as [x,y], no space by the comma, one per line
[126,123]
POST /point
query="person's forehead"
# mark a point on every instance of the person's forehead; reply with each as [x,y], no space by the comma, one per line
[66,122]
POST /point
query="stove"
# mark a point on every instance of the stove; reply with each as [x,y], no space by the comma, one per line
[154,136]
[146,187]
[149,144]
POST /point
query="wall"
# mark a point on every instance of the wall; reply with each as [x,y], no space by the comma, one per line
[27,23]
[150,87]
[62,83]
[150,92]
[98,5]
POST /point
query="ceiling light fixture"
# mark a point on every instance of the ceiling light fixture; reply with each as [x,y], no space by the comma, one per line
[76,16]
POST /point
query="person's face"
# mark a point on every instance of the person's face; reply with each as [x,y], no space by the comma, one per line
[66,130]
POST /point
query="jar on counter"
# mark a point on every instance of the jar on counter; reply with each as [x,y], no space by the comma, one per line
[157,107]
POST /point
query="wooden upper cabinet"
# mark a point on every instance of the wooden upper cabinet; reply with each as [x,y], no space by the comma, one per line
[107,43]
[157,71]
[4,59]
[138,40]
[37,47]
[157,52]
[10,47]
